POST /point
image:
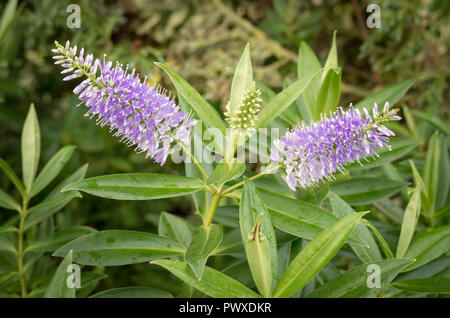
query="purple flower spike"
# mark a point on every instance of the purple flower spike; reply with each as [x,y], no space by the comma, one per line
[311,153]
[142,115]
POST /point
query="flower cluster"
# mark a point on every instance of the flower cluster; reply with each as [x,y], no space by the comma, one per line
[311,153]
[244,118]
[140,114]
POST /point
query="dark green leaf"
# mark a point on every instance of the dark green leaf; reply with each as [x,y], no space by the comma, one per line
[120,247]
[137,186]
[360,191]
[213,282]
[204,242]
[132,292]
[51,169]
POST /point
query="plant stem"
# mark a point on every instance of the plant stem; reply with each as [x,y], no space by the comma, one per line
[20,253]
[197,164]
[259,175]
[212,210]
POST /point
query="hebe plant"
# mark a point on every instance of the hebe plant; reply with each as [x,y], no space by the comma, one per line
[283,243]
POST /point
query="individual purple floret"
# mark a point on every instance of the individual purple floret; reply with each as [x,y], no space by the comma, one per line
[142,115]
[310,153]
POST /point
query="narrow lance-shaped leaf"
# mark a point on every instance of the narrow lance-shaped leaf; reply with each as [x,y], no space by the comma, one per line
[203,109]
[120,247]
[175,228]
[428,246]
[56,199]
[48,207]
[369,253]
[12,176]
[31,147]
[431,174]
[7,202]
[433,120]
[432,285]
[51,169]
[213,282]
[226,171]
[409,223]
[418,181]
[258,258]
[309,63]
[314,256]
[329,93]
[251,207]
[242,80]
[400,148]
[132,292]
[7,19]
[59,287]
[137,186]
[204,242]
[443,189]
[391,94]
[360,191]
[282,101]
[332,59]
[362,281]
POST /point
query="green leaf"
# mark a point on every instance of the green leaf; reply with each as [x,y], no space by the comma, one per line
[242,80]
[227,215]
[51,169]
[410,219]
[226,171]
[4,229]
[444,171]
[31,147]
[213,282]
[58,287]
[7,202]
[132,292]
[250,208]
[296,217]
[282,101]
[120,247]
[391,94]
[433,120]
[353,283]
[56,199]
[175,228]
[418,181]
[329,93]
[48,207]
[371,253]
[12,176]
[400,147]
[428,246]
[332,59]
[431,174]
[360,191]
[307,64]
[137,186]
[432,285]
[57,240]
[315,255]
[203,109]
[259,259]
[204,242]
[9,12]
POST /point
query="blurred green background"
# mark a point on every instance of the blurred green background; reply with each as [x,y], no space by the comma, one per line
[203,41]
